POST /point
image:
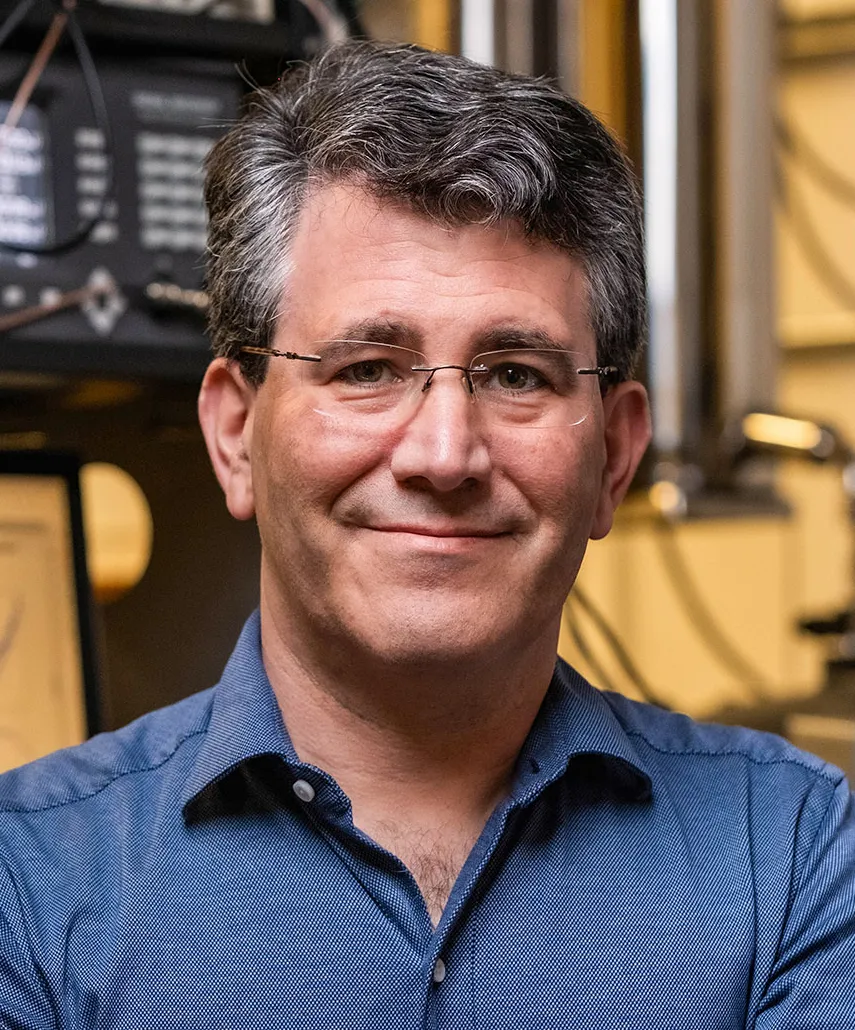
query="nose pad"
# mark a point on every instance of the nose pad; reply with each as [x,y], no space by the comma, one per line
[443,442]
[466,378]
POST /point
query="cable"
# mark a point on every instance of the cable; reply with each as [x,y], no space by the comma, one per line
[810,159]
[205,7]
[336,21]
[98,104]
[701,617]
[602,678]
[70,299]
[33,74]
[617,647]
[16,16]
[836,184]
[10,630]
[812,246]
[334,27]
[350,13]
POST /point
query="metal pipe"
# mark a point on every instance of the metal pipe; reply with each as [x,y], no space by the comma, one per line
[477,30]
[658,26]
[748,345]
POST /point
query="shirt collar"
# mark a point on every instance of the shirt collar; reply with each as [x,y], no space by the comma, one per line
[575,725]
[246,720]
[577,728]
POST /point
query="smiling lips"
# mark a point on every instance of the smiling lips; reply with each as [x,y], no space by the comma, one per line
[440,531]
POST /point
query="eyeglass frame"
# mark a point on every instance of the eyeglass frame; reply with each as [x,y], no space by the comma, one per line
[609,375]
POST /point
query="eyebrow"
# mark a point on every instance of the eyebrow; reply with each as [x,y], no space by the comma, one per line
[380,330]
[511,337]
[504,337]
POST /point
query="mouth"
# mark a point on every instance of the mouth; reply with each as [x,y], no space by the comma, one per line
[442,532]
[435,547]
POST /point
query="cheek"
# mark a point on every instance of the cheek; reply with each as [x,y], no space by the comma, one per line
[305,463]
[561,476]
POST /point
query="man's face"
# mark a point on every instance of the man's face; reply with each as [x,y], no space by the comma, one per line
[440,537]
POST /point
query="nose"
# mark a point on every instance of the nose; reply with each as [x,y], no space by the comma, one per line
[442,444]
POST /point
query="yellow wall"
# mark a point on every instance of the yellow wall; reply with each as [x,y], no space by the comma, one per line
[757,575]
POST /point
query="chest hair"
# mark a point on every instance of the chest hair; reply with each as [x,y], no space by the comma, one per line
[434,857]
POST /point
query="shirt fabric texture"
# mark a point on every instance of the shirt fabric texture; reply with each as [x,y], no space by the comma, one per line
[645,872]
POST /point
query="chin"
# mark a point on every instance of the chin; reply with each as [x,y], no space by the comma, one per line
[414,656]
[419,634]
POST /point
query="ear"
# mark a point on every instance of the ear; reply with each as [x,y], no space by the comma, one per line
[226,406]
[627,434]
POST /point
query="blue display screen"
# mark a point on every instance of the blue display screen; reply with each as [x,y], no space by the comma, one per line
[25,210]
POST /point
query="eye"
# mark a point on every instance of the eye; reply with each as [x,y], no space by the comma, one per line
[517,378]
[376,373]
[365,372]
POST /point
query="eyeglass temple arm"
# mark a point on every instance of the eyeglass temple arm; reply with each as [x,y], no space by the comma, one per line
[608,373]
[269,352]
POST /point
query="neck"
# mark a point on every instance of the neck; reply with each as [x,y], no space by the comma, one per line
[438,739]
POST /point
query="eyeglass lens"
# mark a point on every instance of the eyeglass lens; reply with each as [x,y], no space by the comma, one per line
[382,384]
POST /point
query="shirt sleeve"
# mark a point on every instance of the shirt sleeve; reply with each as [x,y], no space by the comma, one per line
[25,1003]
[812,984]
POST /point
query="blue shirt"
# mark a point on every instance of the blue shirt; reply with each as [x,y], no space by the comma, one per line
[644,872]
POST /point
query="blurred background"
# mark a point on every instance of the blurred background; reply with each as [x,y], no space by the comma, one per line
[728,585]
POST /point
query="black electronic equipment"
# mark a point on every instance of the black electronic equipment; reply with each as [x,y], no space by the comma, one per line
[260,33]
[102,222]
[142,262]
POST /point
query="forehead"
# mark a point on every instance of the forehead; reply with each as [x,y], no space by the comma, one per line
[355,258]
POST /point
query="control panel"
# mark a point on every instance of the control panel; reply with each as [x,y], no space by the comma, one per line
[128,297]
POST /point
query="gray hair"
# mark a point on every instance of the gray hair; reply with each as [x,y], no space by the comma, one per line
[456,141]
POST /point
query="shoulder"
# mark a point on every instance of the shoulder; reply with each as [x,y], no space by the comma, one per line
[672,733]
[725,766]
[768,833]
[738,796]
[138,752]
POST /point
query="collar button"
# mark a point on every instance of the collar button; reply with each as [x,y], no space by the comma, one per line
[304,790]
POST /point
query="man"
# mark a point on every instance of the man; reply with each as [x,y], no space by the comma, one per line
[396,810]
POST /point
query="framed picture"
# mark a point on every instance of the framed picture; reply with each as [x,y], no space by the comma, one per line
[48,691]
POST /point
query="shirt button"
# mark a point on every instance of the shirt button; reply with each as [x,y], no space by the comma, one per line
[304,790]
[438,971]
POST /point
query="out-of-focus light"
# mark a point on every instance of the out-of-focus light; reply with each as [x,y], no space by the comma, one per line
[668,499]
[118,527]
[779,431]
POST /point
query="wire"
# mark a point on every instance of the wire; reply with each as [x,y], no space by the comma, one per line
[811,160]
[71,299]
[16,16]
[98,104]
[33,74]
[840,285]
[350,12]
[334,27]
[600,674]
[13,624]
[701,616]
[617,647]
[205,7]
